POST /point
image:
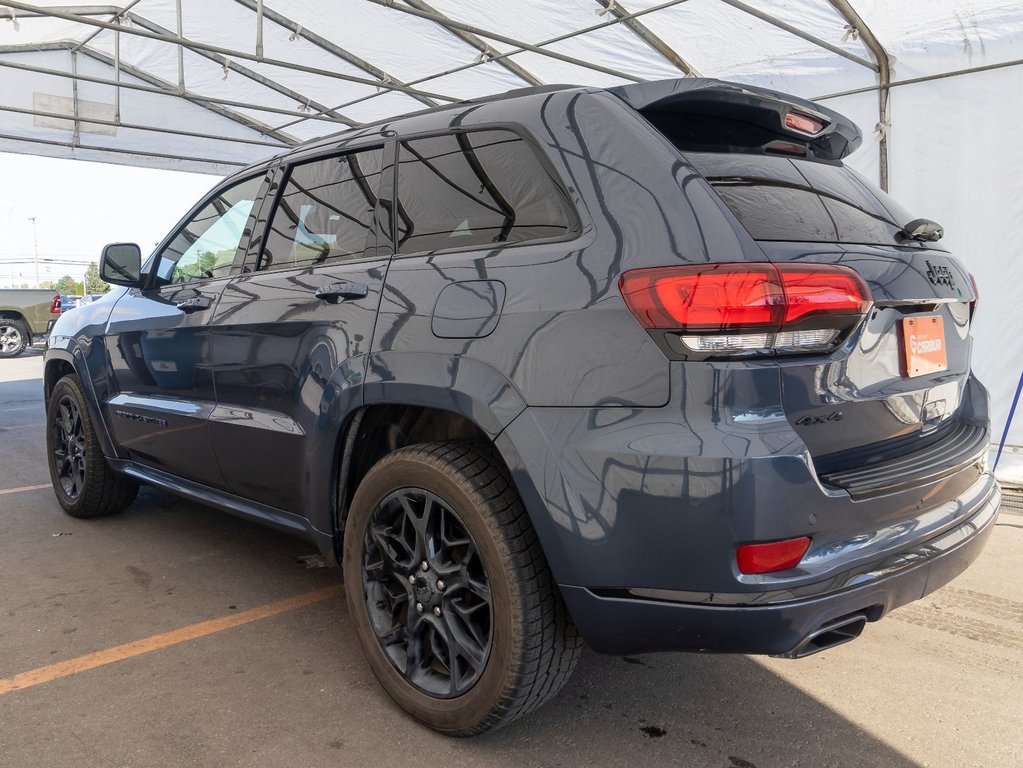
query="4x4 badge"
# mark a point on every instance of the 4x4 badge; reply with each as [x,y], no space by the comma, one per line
[808,420]
[940,275]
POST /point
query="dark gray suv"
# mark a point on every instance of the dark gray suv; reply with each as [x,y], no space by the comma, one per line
[645,366]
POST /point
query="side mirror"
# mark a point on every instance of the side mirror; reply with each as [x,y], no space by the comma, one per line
[121,264]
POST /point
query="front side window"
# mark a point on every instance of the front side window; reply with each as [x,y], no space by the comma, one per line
[206,246]
[326,211]
[477,188]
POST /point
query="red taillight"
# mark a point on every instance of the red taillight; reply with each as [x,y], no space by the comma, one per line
[55,306]
[798,121]
[730,297]
[770,557]
[823,290]
[705,297]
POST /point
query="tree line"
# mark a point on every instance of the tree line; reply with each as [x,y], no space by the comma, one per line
[68,286]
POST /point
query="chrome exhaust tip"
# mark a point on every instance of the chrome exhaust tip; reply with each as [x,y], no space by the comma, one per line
[828,635]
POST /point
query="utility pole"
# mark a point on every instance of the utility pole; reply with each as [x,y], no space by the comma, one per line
[35,250]
[10,246]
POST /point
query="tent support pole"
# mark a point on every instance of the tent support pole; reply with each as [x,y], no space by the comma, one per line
[884,79]
[769,19]
[195,45]
[181,48]
[259,28]
[923,79]
[500,57]
[643,32]
[117,75]
[412,9]
[480,45]
[330,47]
[166,87]
[118,151]
[76,136]
[67,45]
[138,127]
[251,74]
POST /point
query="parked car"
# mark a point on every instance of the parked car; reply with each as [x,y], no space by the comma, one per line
[69,302]
[25,314]
[647,366]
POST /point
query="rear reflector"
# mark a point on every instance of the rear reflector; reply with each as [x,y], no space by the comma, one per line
[774,556]
[736,297]
[808,124]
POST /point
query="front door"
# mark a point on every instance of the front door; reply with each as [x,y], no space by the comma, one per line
[293,331]
[159,344]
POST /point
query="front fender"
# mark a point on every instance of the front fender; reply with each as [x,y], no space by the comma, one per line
[69,352]
[76,339]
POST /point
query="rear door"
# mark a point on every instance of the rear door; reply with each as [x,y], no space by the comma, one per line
[159,344]
[292,332]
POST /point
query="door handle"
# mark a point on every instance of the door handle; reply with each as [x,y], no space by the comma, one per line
[334,293]
[194,304]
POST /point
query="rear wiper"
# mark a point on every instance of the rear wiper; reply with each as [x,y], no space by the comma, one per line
[922,230]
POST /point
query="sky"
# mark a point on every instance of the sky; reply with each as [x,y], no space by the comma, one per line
[81,206]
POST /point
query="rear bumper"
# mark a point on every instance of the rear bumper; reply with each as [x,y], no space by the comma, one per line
[619,621]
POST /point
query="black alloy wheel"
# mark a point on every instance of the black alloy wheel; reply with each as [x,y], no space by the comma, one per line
[427,593]
[449,590]
[69,458]
[83,482]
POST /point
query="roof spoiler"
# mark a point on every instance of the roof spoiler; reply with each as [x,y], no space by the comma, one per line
[787,121]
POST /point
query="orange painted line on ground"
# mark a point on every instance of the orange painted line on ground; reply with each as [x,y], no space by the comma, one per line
[5,491]
[157,642]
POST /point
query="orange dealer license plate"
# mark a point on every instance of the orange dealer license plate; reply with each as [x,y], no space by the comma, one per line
[923,346]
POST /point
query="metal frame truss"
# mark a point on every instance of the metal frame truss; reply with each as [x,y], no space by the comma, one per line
[122,20]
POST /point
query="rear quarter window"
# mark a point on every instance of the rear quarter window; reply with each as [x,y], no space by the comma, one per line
[476,188]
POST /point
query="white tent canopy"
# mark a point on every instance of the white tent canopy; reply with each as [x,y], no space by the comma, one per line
[209,85]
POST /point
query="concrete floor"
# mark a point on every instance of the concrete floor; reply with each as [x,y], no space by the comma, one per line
[938,683]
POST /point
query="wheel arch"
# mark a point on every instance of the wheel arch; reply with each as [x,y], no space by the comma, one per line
[379,429]
[447,398]
[60,363]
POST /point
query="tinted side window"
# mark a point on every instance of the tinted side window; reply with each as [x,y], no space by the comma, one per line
[206,246]
[476,188]
[325,211]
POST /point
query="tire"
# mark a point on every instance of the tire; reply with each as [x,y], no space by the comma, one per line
[14,337]
[83,482]
[532,645]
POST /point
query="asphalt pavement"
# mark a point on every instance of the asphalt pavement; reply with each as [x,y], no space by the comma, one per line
[176,635]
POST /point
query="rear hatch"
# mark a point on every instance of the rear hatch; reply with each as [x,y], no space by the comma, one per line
[890,403]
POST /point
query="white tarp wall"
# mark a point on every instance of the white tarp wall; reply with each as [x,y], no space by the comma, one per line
[239,90]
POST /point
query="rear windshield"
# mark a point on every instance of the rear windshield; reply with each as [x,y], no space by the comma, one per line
[777,198]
